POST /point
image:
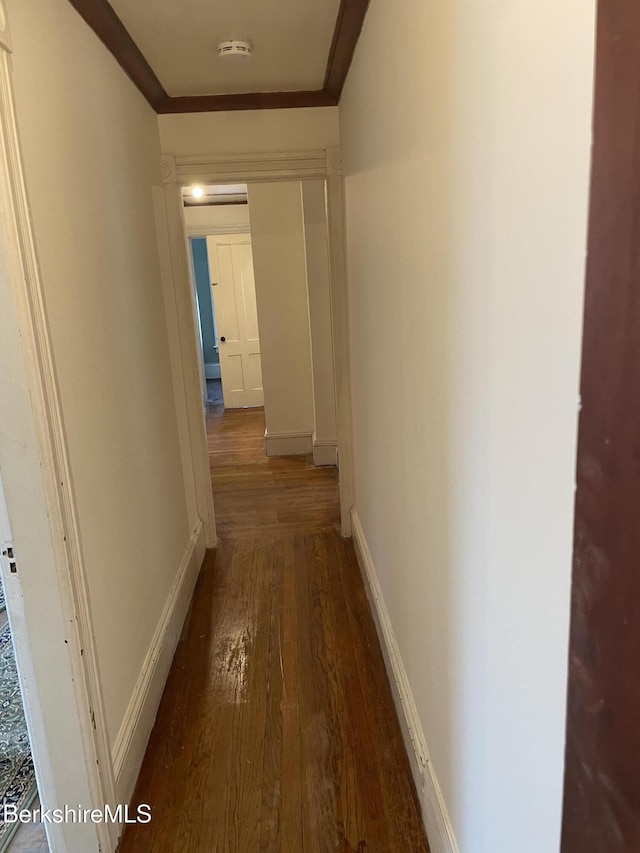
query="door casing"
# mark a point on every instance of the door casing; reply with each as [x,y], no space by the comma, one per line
[47,594]
[181,171]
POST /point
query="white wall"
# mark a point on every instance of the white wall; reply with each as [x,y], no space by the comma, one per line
[319,292]
[277,238]
[249,131]
[91,152]
[466,133]
[209,218]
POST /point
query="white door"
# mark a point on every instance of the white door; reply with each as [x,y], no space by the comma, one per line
[234,300]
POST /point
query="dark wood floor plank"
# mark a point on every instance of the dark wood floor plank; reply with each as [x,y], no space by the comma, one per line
[319,725]
[272,771]
[277,730]
[364,747]
[291,729]
[349,794]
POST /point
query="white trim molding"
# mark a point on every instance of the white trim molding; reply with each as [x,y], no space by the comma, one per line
[288,443]
[132,739]
[325,452]
[41,502]
[434,812]
[186,353]
[243,168]
[340,333]
[334,161]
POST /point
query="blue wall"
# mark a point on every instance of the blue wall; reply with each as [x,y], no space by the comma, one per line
[205,304]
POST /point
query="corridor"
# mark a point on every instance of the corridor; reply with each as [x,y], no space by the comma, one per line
[277,729]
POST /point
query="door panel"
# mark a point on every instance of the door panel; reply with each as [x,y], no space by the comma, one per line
[234,298]
[245,265]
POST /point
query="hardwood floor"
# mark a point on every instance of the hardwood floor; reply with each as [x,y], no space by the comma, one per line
[256,495]
[277,730]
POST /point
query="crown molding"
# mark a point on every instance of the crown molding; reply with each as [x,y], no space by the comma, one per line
[351,17]
[103,20]
[248,101]
[248,168]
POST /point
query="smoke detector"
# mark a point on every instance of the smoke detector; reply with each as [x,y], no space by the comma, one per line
[234,48]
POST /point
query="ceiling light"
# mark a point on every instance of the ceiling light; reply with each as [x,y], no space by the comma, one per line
[234,48]
[197,192]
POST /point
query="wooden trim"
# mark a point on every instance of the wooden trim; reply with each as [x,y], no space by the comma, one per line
[287,443]
[340,334]
[114,35]
[345,38]
[190,358]
[103,20]
[180,393]
[106,24]
[247,168]
[601,810]
[248,101]
[188,203]
[325,452]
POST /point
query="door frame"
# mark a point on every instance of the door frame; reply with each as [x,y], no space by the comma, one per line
[324,164]
[54,643]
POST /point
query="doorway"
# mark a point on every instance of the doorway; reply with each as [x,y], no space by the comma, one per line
[217,223]
[262,174]
[260,256]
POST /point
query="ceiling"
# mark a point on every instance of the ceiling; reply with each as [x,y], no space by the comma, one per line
[302,50]
[291,40]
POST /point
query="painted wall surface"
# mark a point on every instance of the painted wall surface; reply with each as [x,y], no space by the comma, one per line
[277,238]
[466,134]
[205,301]
[249,131]
[90,164]
[208,219]
[319,291]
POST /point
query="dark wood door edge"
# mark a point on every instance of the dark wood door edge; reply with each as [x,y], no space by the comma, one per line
[602,768]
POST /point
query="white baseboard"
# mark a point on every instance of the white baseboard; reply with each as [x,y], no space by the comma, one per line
[132,739]
[434,812]
[325,452]
[288,443]
[212,370]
